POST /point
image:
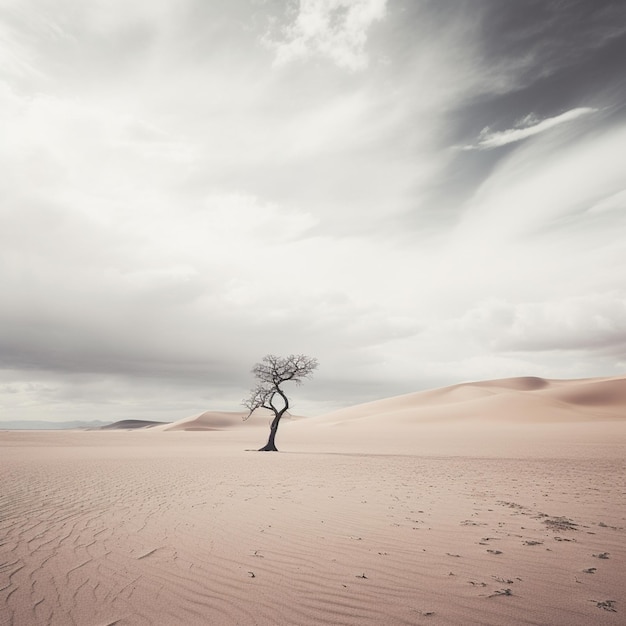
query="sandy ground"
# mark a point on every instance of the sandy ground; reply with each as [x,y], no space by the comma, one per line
[471,522]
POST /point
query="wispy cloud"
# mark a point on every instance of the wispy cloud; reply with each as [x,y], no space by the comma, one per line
[335,29]
[527,127]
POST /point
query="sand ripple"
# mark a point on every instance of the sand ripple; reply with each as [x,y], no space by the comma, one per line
[195,534]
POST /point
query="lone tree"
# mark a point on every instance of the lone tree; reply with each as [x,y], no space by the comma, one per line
[271,373]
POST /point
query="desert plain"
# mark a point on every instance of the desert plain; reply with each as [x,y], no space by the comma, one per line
[498,502]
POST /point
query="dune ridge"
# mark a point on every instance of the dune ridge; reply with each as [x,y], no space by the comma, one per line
[527,416]
[546,399]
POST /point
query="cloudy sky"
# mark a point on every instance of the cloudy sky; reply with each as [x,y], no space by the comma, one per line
[416,192]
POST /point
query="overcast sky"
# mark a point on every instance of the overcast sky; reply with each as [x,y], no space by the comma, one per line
[416,192]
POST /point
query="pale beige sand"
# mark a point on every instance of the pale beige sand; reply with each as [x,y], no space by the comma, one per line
[220,420]
[504,418]
[482,520]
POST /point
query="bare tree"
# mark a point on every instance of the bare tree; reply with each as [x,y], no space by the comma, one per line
[271,373]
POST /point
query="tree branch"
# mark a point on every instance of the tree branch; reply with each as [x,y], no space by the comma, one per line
[271,372]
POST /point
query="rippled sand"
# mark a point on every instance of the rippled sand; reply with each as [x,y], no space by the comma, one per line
[188,528]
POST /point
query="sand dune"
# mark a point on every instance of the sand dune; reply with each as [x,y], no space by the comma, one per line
[209,420]
[498,502]
[608,393]
[524,399]
[509,417]
[222,420]
[132,425]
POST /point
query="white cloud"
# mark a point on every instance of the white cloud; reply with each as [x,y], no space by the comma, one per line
[595,322]
[527,127]
[334,29]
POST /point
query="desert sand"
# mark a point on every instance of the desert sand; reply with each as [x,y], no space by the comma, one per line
[499,502]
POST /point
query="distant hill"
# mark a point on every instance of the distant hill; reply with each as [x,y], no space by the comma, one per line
[132,425]
[44,425]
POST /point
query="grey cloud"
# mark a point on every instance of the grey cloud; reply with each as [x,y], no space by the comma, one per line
[547,36]
[552,56]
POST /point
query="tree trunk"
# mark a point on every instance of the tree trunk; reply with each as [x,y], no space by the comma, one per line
[270,446]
